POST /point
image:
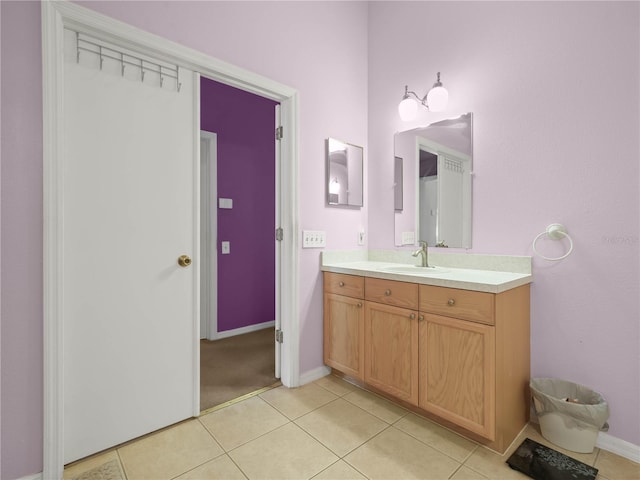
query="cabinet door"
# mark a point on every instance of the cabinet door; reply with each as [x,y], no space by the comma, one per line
[457,372]
[344,334]
[391,350]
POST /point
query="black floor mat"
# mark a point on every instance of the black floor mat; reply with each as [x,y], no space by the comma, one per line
[544,463]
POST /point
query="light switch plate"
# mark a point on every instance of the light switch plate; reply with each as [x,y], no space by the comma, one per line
[361,237]
[314,239]
[225,202]
[226,248]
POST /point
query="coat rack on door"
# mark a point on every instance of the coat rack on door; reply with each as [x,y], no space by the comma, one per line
[84,44]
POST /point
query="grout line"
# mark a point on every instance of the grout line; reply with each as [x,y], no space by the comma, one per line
[122,468]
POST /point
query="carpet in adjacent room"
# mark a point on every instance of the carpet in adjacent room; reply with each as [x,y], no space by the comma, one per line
[234,366]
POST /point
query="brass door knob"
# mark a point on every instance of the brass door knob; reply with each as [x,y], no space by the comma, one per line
[184,260]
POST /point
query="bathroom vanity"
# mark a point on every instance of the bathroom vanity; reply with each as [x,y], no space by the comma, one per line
[451,344]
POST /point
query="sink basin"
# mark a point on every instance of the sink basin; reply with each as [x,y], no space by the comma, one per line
[415,270]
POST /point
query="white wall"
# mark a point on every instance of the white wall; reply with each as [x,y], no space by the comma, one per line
[554,88]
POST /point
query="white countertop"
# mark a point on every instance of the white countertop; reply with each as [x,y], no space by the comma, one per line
[466,279]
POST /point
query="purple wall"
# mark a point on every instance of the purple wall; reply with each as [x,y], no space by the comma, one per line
[244,124]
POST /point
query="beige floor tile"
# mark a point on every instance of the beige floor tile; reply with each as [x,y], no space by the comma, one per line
[436,436]
[169,452]
[532,431]
[285,453]
[295,402]
[335,385]
[611,465]
[394,454]
[378,406]
[341,426]
[340,471]
[241,422]
[76,469]
[221,468]
[465,473]
[491,465]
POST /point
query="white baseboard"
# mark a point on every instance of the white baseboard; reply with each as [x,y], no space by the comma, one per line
[315,374]
[35,476]
[618,446]
[247,329]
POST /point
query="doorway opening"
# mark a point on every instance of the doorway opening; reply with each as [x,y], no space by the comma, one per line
[239,161]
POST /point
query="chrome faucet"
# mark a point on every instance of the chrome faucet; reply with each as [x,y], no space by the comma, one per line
[424,252]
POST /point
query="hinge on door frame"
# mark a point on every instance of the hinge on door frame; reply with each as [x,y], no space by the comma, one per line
[279,336]
[279,234]
[279,133]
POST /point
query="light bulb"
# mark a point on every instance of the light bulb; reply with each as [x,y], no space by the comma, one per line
[437,99]
[408,109]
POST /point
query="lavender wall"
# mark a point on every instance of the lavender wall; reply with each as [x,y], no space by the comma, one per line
[21,230]
[244,124]
[319,48]
[554,88]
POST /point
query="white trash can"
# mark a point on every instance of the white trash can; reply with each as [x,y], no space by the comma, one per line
[570,415]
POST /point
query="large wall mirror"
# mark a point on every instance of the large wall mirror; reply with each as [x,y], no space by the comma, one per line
[435,184]
[344,173]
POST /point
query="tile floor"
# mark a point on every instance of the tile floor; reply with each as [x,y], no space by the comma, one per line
[328,429]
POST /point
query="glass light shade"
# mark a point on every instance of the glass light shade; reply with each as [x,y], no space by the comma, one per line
[408,109]
[334,186]
[437,99]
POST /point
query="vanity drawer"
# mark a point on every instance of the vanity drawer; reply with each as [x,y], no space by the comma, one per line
[341,284]
[453,302]
[390,292]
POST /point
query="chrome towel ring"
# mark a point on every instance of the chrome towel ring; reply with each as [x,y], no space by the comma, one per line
[555,231]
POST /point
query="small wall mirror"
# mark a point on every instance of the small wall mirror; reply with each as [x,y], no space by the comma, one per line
[344,173]
[436,183]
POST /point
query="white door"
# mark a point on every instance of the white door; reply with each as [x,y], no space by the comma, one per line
[129,210]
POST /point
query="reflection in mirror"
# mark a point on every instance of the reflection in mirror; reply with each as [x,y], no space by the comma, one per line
[436,184]
[344,173]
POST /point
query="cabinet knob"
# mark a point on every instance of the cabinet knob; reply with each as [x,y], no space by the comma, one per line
[387,292]
[341,284]
[412,316]
[421,318]
[359,305]
[451,302]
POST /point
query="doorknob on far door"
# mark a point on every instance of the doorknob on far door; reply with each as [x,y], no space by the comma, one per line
[184,260]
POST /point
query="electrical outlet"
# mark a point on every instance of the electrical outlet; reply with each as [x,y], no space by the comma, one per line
[361,237]
[314,239]
[408,238]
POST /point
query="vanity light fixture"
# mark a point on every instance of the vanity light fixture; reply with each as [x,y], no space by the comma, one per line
[435,100]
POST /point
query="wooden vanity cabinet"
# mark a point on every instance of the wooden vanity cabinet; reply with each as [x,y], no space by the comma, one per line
[458,356]
[474,360]
[391,350]
[457,372]
[391,338]
[344,323]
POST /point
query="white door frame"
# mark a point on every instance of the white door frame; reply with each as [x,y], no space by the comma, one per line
[209,236]
[55,17]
